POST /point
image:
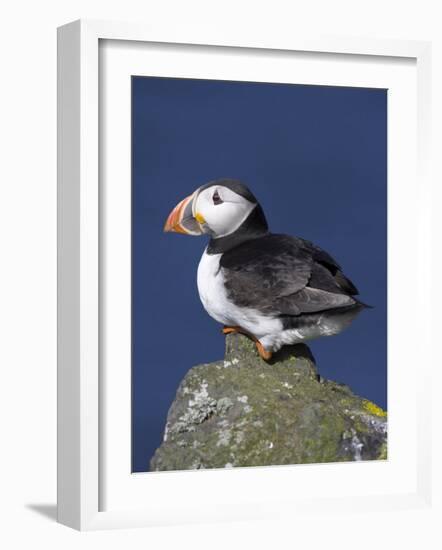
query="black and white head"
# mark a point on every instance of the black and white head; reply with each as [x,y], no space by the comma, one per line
[221,208]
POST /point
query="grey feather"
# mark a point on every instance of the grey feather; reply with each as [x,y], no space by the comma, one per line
[283,275]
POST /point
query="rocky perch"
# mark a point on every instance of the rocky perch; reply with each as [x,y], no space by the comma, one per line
[243,411]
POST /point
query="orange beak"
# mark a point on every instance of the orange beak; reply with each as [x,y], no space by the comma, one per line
[181,219]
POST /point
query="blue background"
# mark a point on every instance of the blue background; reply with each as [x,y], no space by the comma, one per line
[314,156]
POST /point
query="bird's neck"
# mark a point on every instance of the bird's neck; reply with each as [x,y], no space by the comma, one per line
[255,225]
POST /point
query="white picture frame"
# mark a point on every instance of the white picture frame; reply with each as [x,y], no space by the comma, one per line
[79,265]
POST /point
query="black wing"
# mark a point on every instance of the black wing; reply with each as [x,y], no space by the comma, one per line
[283,275]
[324,260]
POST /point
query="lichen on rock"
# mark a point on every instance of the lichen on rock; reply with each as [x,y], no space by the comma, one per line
[243,411]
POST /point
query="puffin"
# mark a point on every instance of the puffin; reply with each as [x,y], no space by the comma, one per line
[277,289]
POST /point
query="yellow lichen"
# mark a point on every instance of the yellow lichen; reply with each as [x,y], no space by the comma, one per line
[373,409]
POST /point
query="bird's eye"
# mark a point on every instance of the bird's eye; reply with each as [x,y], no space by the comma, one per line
[216,198]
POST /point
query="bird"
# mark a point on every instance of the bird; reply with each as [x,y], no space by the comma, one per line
[277,289]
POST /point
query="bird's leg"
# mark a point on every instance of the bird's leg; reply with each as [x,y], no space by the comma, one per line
[264,354]
[231,330]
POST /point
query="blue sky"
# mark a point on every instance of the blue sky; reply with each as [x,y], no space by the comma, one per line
[315,157]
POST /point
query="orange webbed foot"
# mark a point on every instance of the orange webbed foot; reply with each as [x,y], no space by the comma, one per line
[264,354]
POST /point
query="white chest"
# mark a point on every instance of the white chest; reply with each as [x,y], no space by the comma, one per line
[211,288]
[214,299]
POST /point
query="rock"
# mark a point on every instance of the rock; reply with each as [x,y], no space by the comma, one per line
[243,411]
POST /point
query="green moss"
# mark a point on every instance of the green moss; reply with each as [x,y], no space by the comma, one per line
[383,452]
[263,414]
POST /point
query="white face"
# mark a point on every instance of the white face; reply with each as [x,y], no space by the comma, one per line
[220,211]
